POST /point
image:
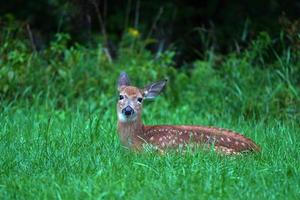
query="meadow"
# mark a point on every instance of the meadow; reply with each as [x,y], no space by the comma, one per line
[49,153]
[58,137]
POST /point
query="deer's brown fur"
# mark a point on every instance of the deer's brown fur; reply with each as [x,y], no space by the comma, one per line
[134,134]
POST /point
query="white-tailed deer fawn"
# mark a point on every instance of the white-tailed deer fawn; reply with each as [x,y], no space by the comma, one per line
[134,134]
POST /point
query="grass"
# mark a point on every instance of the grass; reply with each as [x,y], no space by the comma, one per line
[58,137]
[50,153]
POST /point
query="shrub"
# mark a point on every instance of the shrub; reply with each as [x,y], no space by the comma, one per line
[242,83]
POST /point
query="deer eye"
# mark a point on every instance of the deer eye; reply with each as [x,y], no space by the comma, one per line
[121,97]
[140,99]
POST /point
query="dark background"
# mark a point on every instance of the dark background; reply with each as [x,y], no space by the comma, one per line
[188,26]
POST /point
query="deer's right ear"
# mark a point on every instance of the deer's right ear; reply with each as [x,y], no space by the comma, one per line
[153,90]
[123,80]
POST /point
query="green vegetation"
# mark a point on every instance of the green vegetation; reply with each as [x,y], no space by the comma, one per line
[58,126]
[50,153]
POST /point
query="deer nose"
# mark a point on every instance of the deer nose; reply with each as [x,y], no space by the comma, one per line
[128,111]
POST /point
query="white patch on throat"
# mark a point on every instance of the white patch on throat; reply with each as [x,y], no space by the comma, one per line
[123,118]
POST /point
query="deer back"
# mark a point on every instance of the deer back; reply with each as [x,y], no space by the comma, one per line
[226,141]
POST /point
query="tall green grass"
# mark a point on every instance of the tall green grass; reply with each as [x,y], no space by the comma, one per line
[75,153]
[258,82]
[58,134]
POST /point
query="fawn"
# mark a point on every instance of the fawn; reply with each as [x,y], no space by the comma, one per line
[135,135]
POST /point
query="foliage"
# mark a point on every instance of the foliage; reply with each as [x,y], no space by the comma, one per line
[246,83]
[58,125]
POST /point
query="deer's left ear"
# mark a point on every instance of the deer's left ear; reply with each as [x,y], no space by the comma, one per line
[123,80]
[153,90]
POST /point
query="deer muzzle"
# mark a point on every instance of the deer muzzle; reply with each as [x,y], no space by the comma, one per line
[128,111]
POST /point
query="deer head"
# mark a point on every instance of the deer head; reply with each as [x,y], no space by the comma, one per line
[129,106]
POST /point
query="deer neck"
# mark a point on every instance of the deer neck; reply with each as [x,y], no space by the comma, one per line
[130,132]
